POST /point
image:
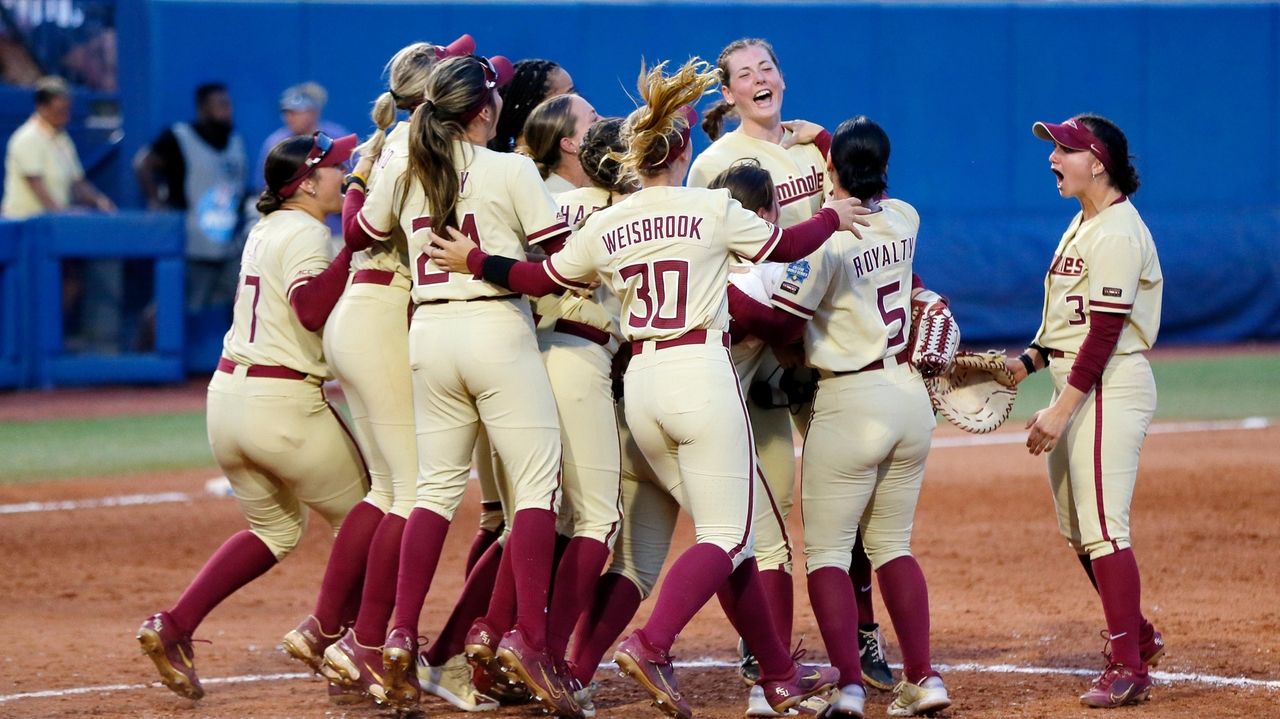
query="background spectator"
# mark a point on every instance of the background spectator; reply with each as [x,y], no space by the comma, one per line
[300,107]
[200,168]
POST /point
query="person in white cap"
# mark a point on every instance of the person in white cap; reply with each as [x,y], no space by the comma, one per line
[301,106]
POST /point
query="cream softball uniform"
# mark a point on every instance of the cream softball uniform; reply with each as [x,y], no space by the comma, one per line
[799,175]
[578,338]
[471,343]
[872,423]
[366,341]
[1105,264]
[280,443]
[675,311]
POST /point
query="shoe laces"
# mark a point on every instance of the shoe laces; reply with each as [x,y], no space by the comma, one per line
[872,645]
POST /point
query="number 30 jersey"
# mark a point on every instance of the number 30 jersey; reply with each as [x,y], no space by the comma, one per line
[285,249]
[1107,264]
[856,293]
[665,252]
[503,206]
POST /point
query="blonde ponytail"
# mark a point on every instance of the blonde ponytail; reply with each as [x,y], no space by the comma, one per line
[652,129]
[383,116]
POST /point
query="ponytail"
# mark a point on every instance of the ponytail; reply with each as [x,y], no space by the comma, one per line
[383,116]
[269,201]
[713,121]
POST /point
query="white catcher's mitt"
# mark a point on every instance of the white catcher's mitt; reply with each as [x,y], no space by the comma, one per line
[977,393]
[935,336]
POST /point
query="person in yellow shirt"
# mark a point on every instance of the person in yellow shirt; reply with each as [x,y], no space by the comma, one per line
[42,172]
[1102,298]
[280,443]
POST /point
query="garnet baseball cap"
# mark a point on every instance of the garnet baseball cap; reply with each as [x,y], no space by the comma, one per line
[1073,135]
[464,45]
[343,148]
[503,69]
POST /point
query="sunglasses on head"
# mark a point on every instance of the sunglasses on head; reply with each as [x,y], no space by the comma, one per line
[490,72]
[321,144]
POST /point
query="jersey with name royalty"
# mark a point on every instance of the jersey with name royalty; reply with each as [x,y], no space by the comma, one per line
[856,293]
[392,253]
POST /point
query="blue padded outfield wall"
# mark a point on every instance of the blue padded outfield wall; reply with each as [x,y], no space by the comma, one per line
[1196,87]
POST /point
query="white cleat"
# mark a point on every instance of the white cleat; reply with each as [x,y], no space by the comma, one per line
[850,702]
[925,698]
[452,683]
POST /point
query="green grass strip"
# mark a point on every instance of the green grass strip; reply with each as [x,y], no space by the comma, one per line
[32,451]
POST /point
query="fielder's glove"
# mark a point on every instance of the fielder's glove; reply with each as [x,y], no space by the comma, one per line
[977,393]
[935,336]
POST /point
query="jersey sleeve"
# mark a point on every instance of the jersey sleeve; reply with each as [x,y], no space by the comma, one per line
[575,265]
[700,174]
[1114,264]
[305,255]
[805,283]
[378,216]
[537,212]
[750,237]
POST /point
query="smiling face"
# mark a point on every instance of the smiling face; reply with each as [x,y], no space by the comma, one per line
[754,85]
[1074,170]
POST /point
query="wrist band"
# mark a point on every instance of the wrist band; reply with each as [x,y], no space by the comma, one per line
[1027,362]
[354,179]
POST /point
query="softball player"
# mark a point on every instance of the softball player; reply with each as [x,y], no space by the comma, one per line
[795,155]
[1101,312]
[872,423]
[367,344]
[552,137]
[665,253]
[280,443]
[474,360]
[534,80]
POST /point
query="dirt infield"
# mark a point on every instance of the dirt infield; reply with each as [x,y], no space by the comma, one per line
[1004,592]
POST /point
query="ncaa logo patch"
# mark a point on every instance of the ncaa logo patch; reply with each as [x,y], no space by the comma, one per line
[797,271]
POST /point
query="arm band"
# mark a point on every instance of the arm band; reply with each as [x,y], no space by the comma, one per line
[497,269]
[1028,363]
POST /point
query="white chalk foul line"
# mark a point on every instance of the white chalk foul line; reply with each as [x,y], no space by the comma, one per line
[127,500]
[964,668]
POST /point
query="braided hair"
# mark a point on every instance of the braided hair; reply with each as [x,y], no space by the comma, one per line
[528,88]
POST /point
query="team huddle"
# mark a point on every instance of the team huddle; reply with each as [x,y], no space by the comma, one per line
[608,330]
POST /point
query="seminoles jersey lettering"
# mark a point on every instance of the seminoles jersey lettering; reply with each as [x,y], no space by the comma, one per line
[377,217]
[798,173]
[284,250]
[503,206]
[1107,264]
[665,254]
[856,293]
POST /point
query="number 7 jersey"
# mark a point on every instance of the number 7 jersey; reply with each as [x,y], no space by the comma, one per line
[665,252]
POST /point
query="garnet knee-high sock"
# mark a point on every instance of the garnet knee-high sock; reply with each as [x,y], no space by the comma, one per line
[240,560]
[483,540]
[472,603]
[1120,587]
[378,596]
[420,549]
[694,578]
[346,565]
[831,595]
[532,548]
[1147,631]
[576,576]
[501,614]
[906,596]
[743,600]
[780,592]
[860,575]
[613,606]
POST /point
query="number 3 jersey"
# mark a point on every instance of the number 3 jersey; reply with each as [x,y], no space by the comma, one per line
[856,293]
[284,250]
[503,206]
[1105,264]
[665,252]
